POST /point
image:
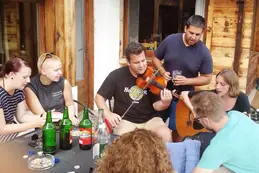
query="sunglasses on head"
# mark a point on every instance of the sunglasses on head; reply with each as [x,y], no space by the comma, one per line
[48,55]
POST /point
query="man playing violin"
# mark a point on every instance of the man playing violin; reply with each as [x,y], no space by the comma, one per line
[134,107]
[185,52]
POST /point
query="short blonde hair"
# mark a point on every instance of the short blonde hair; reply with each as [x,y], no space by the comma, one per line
[43,57]
[231,79]
[139,151]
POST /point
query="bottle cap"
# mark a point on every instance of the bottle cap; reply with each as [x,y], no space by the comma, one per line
[30,152]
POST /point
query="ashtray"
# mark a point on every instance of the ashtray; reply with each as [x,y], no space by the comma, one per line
[41,161]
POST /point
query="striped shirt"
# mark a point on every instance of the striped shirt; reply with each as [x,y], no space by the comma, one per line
[9,105]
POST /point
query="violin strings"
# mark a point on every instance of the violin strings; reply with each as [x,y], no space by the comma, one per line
[148,82]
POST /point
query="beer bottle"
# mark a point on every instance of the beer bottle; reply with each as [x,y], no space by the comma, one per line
[65,131]
[49,135]
[85,128]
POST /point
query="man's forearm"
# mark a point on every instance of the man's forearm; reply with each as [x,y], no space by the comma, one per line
[200,80]
[159,105]
[101,103]
[157,63]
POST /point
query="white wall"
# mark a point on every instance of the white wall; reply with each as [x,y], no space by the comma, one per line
[106,39]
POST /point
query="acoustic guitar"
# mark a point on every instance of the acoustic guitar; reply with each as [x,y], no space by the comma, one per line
[184,120]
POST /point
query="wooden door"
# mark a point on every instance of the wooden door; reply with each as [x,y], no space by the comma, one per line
[84,52]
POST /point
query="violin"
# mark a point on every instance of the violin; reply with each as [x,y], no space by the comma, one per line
[150,80]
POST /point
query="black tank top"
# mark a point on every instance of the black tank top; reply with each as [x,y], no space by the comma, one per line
[50,96]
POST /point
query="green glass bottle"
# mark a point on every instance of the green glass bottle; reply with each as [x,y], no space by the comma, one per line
[65,131]
[85,128]
[49,135]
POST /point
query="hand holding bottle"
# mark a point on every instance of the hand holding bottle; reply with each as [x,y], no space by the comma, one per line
[39,122]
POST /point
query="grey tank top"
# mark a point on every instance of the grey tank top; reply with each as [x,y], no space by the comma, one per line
[50,96]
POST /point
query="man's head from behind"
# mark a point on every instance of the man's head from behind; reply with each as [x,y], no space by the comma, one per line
[136,58]
[194,28]
[209,108]
[139,151]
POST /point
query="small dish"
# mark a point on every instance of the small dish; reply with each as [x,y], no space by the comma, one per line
[41,161]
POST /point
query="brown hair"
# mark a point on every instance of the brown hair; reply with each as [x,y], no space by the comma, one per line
[139,151]
[14,64]
[231,79]
[208,104]
[134,48]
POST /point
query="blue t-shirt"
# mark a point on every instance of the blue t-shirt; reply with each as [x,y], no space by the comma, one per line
[191,60]
[236,146]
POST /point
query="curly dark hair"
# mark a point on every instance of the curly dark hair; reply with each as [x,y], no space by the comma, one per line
[139,151]
[134,48]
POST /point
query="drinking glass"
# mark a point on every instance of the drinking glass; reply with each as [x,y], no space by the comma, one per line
[176,73]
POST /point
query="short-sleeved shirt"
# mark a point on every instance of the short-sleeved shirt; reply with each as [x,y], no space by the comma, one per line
[235,146]
[121,85]
[191,60]
[242,103]
[9,103]
[50,96]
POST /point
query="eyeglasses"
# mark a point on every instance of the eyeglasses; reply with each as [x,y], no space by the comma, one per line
[196,123]
[48,55]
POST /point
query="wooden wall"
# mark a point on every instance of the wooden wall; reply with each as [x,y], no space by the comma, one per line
[57,33]
[222,23]
[11,28]
[256,33]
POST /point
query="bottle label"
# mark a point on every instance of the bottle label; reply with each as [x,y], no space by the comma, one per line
[70,136]
[96,148]
[85,136]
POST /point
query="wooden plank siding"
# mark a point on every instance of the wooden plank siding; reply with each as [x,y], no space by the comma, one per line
[57,33]
[255,41]
[221,37]
[88,54]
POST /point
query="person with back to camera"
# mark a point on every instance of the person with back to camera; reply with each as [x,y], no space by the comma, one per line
[14,76]
[49,90]
[139,151]
[235,146]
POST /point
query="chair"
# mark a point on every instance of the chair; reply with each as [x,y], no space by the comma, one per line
[150,46]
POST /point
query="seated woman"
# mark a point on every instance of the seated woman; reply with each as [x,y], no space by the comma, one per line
[13,78]
[49,90]
[139,151]
[227,87]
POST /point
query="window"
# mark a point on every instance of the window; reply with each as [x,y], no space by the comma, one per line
[153,20]
[18,31]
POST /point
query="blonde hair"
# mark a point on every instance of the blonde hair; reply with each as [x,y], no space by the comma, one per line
[139,151]
[43,58]
[231,79]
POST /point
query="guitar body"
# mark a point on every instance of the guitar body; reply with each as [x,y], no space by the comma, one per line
[184,121]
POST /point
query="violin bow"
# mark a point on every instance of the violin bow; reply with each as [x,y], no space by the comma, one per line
[148,82]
